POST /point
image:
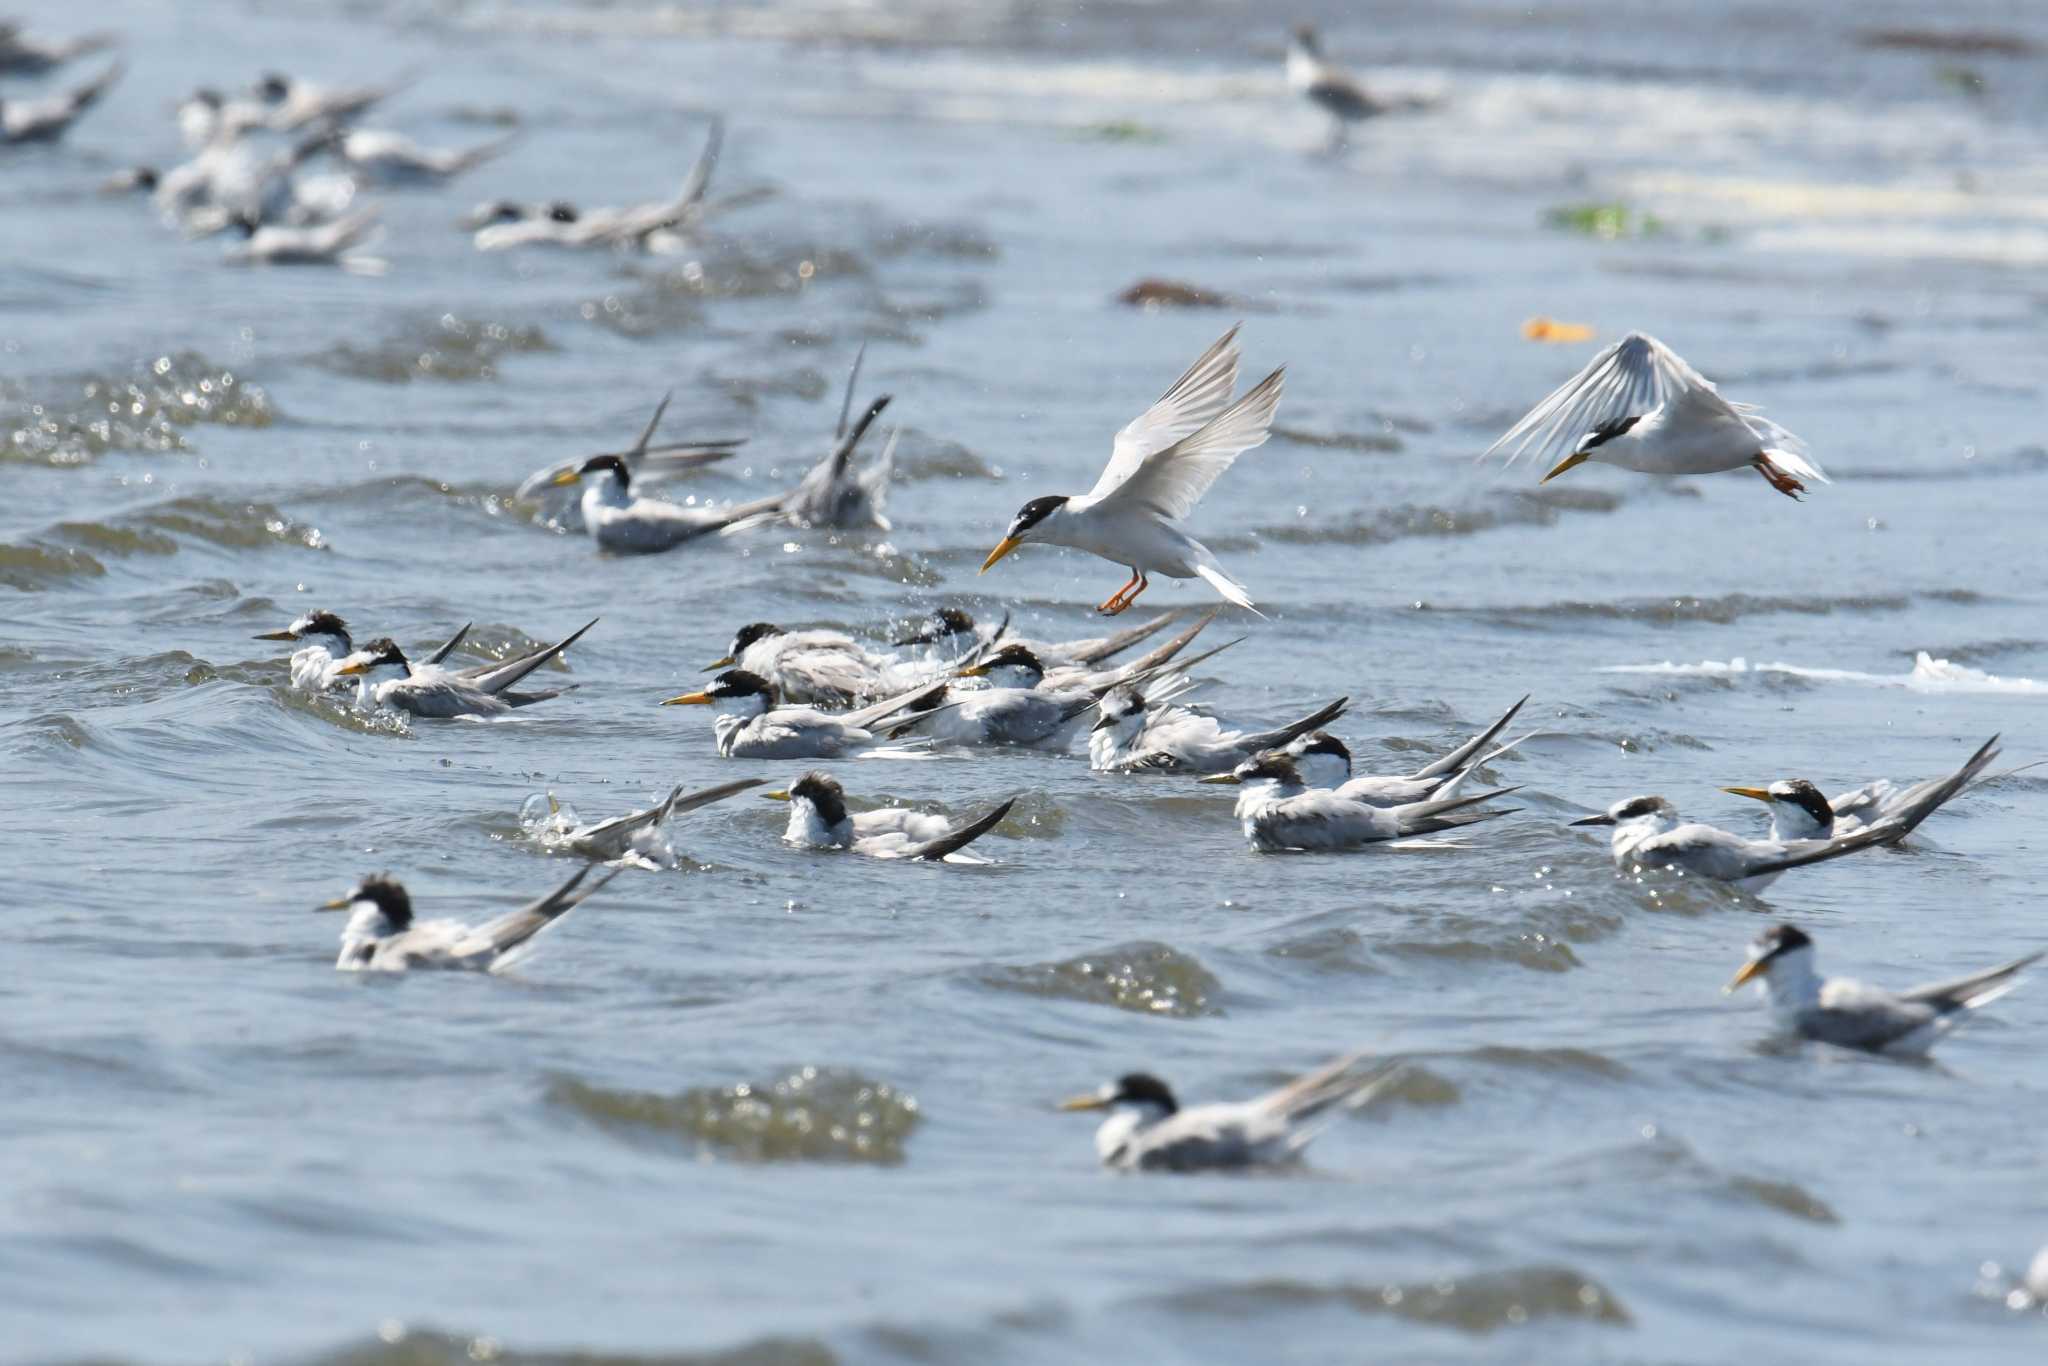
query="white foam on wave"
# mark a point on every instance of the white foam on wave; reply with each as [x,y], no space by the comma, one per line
[1928,675]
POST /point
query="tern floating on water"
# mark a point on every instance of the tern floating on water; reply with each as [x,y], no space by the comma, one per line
[24,55]
[1838,1011]
[1799,811]
[1161,465]
[752,723]
[382,936]
[1140,731]
[819,819]
[1278,811]
[1149,1131]
[1649,834]
[429,691]
[1638,406]
[1325,762]
[50,118]
[317,667]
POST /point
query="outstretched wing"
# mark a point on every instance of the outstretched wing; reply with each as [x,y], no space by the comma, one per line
[1193,401]
[1628,379]
[1172,481]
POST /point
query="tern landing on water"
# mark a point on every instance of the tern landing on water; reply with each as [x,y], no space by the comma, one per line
[1279,812]
[382,936]
[752,724]
[819,819]
[1648,834]
[428,690]
[1639,406]
[1838,1011]
[1149,1131]
[1161,465]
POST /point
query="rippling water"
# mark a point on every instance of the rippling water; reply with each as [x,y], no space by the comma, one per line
[776,1107]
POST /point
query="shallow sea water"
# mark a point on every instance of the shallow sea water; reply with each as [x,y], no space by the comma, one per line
[777,1107]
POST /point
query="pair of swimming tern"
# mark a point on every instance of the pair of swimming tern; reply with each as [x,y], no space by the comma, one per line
[1806,829]
[382,934]
[819,818]
[385,677]
[1636,405]
[1148,1129]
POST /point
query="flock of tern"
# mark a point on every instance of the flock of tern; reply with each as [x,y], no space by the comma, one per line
[957,685]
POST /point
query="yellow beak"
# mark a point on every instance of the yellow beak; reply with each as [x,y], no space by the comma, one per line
[567,477]
[554,807]
[340,903]
[1003,547]
[1753,968]
[725,663]
[775,796]
[351,670]
[1755,794]
[690,699]
[976,671]
[278,635]
[1575,458]
[1085,1103]
[1221,779]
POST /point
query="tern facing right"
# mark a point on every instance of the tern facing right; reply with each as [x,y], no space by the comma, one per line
[1149,1131]
[818,819]
[382,936]
[1161,465]
[1279,812]
[1839,1011]
[1649,834]
[1639,406]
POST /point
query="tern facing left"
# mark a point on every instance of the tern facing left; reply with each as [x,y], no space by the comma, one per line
[1161,465]
[1639,406]
[1851,1015]
[382,936]
[1149,1131]
[1279,812]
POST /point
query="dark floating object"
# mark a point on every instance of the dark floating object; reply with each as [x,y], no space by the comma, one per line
[1152,292]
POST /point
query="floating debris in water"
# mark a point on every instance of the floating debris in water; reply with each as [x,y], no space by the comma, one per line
[1152,294]
[1607,221]
[1541,329]
[1121,130]
[809,1114]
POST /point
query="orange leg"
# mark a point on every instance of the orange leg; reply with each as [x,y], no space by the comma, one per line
[1777,478]
[1117,601]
